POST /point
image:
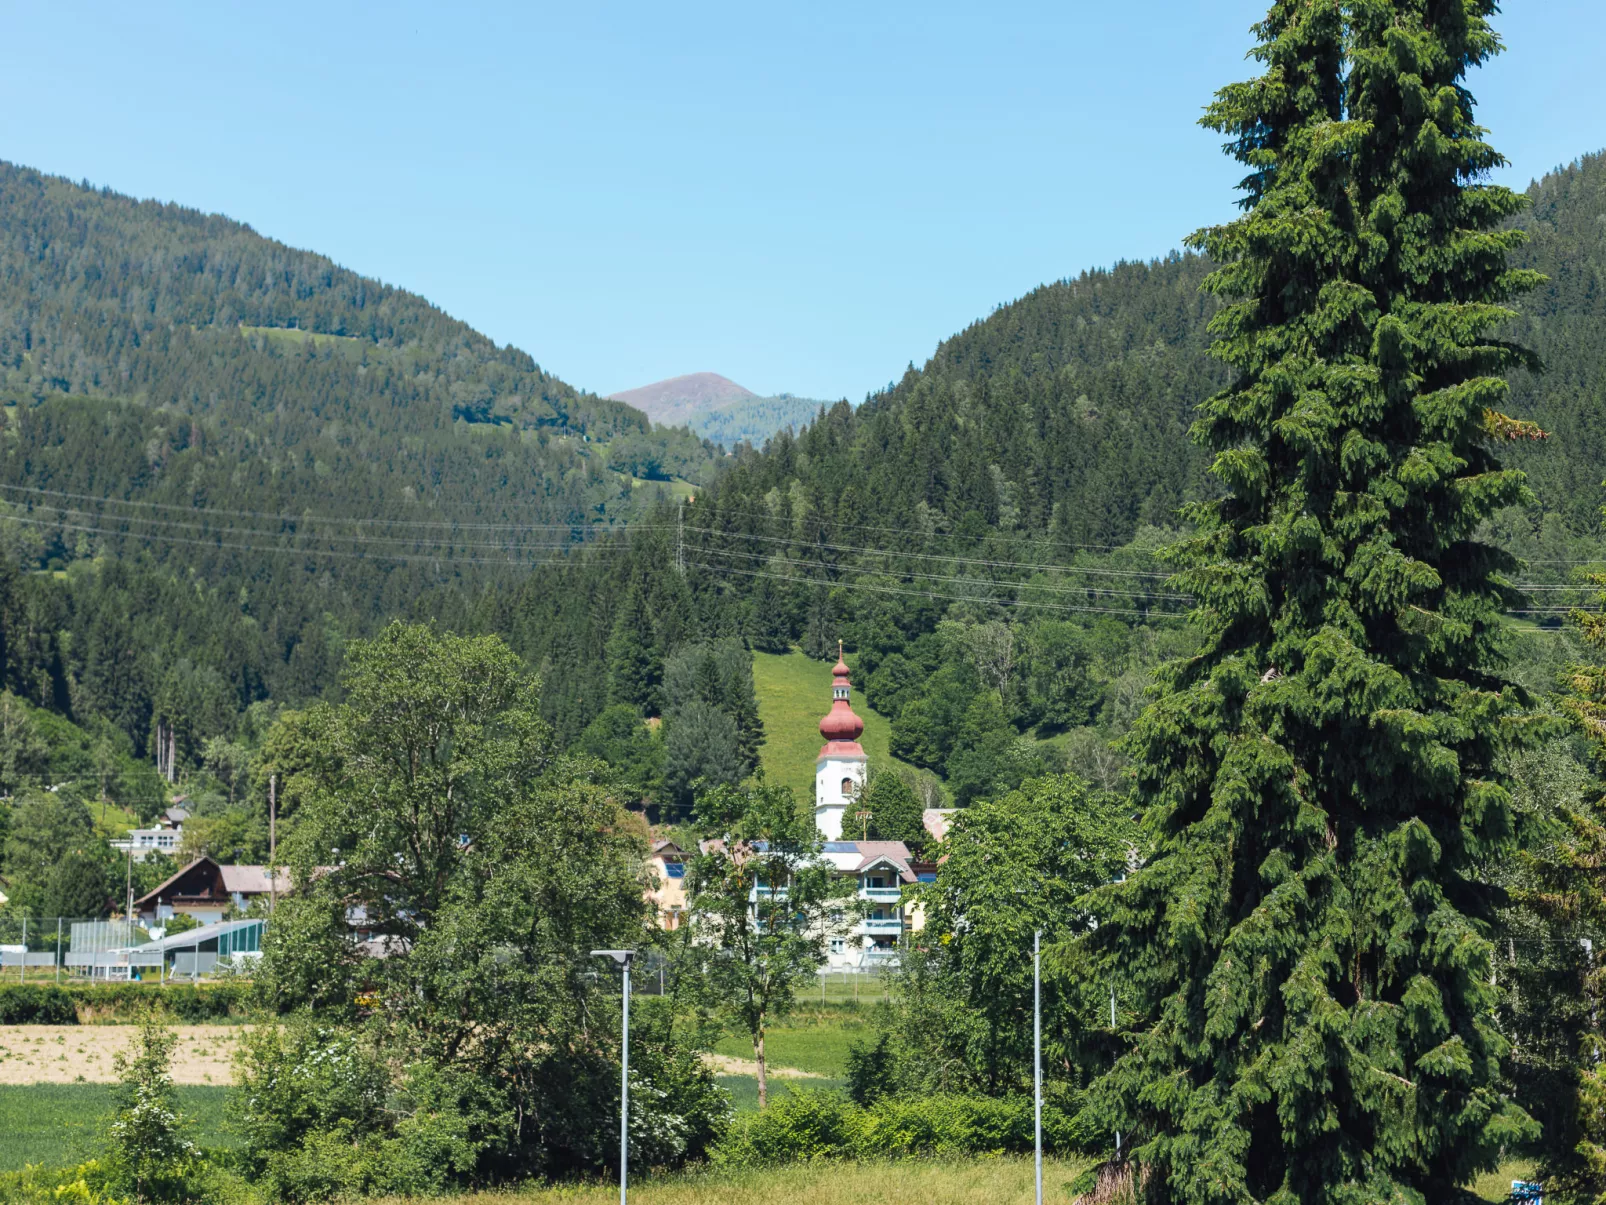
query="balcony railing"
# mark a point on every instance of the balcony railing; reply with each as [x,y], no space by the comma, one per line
[881,895]
[891,924]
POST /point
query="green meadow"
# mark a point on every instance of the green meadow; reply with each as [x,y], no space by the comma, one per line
[63,1124]
[793,693]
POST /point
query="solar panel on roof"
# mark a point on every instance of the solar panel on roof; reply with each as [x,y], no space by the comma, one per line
[841,847]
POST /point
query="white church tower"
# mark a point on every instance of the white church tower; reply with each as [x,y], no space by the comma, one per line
[839,772]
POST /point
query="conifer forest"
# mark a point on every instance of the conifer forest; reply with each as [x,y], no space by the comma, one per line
[1232,623]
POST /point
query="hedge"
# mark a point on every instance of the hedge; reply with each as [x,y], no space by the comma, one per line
[72,1004]
[812,1125]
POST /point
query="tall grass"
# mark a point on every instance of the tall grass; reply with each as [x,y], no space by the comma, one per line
[989,1181]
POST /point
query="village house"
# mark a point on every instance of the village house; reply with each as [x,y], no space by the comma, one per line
[165,836]
[207,891]
[668,864]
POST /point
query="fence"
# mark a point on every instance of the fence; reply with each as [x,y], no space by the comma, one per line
[54,948]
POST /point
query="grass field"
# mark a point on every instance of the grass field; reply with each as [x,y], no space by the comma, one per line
[793,693]
[62,1124]
[994,1181]
[813,1040]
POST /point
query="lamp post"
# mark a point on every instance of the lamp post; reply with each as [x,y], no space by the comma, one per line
[1037,1056]
[1112,1030]
[623,957]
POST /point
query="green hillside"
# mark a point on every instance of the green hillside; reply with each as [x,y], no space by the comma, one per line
[794,691]
[984,534]
[223,457]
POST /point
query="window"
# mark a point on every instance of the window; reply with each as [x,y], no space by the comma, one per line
[847,787]
[675,870]
[838,945]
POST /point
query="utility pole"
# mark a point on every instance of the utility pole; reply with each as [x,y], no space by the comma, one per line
[273,842]
[128,915]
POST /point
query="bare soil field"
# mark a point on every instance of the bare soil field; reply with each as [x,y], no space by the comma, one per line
[68,1054]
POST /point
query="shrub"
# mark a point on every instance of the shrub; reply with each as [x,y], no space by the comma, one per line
[323,1117]
[799,1127]
[191,1003]
[869,1069]
[29,1004]
[806,1126]
[34,1185]
[149,1153]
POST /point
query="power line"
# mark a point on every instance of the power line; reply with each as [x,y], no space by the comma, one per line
[933,556]
[916,531]
[412,541]
[281,551]
[1002,602]
[305,517]
[1061,588]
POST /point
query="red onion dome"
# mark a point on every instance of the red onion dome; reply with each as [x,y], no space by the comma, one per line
[840,724]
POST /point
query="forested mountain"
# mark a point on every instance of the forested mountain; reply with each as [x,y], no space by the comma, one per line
[235,455]
[262,454]
[754,420]
[983,533]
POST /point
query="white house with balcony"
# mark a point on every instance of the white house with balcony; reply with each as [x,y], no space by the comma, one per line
[882,869]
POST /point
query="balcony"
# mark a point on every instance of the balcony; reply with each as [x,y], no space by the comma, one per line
[881,895]
[890,925]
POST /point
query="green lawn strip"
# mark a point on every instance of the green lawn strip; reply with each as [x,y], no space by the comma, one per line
[814,1040]
[793,693]
[61,1124]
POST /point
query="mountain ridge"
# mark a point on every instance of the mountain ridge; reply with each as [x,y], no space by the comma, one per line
[672,401]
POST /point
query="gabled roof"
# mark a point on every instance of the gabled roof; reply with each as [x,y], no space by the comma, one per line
[244,880]
[666,849]
[161,889]
[253,880]
[889,853]
[852,857]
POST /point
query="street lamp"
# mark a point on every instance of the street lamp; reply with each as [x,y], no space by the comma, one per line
[1037,1056]
[623,957]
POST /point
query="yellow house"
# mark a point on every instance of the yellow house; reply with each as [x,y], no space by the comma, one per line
[668,893]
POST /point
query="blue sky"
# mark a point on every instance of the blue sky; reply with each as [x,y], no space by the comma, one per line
[802,197]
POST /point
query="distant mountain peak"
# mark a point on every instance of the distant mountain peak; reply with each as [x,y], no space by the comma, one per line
[672,402]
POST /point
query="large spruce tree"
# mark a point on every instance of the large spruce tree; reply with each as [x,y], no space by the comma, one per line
[1304,960]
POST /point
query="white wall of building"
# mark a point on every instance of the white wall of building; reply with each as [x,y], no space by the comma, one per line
[831,803]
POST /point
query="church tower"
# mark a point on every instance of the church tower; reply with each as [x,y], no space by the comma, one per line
[839,772]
